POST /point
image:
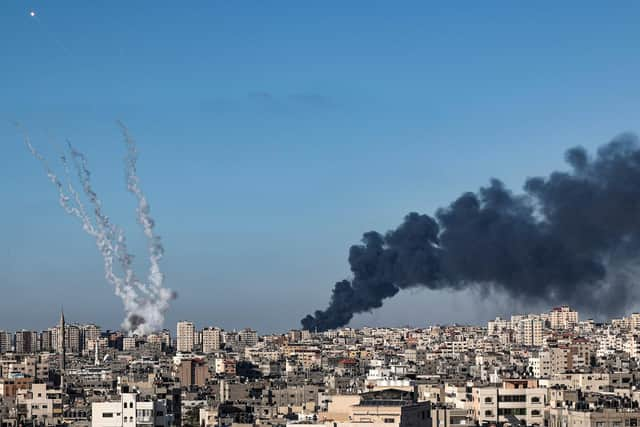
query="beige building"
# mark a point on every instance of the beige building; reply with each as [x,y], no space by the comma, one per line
[563,317]
[565,417]
[528,331]
[185,336]
[211,338]
[40,404]
[128,343]
[90,335]
[522,399]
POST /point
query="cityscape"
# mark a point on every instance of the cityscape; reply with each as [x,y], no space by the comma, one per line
[291,213]
[550,369]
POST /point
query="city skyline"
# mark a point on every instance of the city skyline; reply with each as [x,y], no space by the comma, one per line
[202,326]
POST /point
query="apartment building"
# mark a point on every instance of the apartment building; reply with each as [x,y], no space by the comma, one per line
[185,336]
[522,399]
[211,338]
[6,341]
[130,411]
[41,405]
[563,317]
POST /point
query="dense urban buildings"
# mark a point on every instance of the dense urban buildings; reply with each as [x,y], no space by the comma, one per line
[536,369]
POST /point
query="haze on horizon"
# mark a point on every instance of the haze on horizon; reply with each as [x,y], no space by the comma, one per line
[272,137]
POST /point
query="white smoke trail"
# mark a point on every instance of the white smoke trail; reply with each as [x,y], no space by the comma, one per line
[144,304]
[114,234]
[156,250]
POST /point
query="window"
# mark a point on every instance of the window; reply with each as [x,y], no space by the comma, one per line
[487,400]
[535,413]
[389,420]
[488,413]
[513,398]
[535,399]
[512,411]
[107,415]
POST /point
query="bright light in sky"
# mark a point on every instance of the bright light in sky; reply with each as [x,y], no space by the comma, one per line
[32,13]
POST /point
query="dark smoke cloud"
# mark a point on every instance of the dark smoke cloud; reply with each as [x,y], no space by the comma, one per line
[135,321]
[572,237]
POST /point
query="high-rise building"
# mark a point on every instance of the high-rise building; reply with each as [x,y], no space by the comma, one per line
[27,342]
[248,337]
[90,335]
[166,337]
[210,340]
[73,338]
[6,341]
[563,317]
[529,331]
[46,343]
[185,336]
[128,343]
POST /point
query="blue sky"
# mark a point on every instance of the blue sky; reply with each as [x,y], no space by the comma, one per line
[273,134]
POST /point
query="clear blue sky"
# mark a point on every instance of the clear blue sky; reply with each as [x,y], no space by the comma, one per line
[273,134]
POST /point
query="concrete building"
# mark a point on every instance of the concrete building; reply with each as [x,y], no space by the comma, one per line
[90,335]
[389,407]
[602,417]
[191,372]
[522,399]
[529,331]
[185,336]
[6,341]
[248,337]
[128,343]
[563,317]
[130,411]
[27,342]
[211,338]
[41,405]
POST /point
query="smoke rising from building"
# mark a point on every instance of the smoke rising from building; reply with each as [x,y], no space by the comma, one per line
[145,302]
[571,237]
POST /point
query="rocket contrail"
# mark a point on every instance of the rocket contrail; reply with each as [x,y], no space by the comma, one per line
[144,303]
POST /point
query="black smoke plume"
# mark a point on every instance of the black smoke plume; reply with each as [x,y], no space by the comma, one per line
[572,237]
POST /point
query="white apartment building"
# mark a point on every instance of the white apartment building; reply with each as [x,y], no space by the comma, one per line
[129,411]
[211,338]
[186,336]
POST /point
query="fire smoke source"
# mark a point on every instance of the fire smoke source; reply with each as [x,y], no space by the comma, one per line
[145,303]
[572,237]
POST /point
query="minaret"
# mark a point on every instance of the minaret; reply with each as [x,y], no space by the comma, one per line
[96,359]
[63,347]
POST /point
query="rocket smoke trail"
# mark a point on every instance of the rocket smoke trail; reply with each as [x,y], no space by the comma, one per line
[144,303]
[572,237]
